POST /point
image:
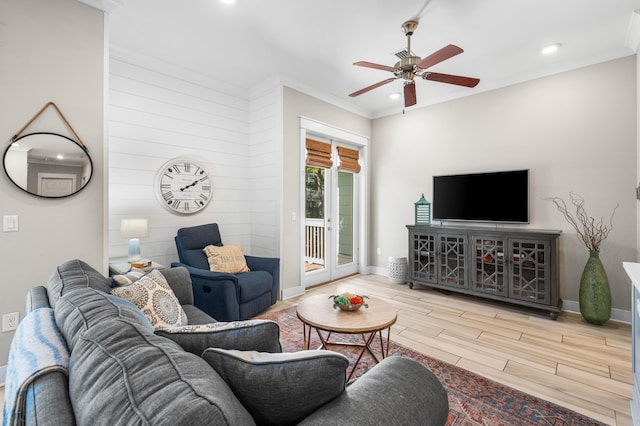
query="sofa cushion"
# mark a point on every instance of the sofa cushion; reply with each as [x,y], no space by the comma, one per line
[229,259]
[73,275]
[397,391]
[251,335]
[196,316]
[281,388]
[122,373]
[82,309]
[180,282]
[155,298]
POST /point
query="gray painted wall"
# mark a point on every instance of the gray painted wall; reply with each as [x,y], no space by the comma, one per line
[575,131]
[295,105]
[50,51]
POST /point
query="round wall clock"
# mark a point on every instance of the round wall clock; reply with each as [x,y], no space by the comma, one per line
[183,186]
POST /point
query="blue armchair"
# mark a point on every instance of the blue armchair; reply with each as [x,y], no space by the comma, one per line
[226,297]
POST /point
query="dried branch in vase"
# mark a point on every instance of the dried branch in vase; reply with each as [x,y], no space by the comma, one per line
[590,231]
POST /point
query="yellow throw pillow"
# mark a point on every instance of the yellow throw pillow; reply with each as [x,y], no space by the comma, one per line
[227,258]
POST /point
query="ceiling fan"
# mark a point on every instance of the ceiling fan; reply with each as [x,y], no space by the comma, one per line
[411,66]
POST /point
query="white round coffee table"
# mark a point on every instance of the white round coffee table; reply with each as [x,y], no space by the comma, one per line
[318,312]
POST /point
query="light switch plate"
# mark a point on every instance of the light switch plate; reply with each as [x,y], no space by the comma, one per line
[10,223]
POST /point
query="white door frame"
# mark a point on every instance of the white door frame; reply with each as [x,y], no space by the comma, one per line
[310,127]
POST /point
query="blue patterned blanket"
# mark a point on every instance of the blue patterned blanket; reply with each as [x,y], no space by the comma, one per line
[37,348]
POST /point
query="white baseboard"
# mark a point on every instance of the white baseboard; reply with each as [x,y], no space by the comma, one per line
[288,293]
[379,270]
[619,315]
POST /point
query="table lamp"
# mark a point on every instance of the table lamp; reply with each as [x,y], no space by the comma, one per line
[134,229]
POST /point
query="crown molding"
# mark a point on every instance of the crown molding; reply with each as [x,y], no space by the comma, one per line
[632,40]
[107,6]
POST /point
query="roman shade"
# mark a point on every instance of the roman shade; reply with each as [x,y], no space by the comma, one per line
[318,154]
[348,159]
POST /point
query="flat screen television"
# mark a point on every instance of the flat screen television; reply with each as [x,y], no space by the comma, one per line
[482,197]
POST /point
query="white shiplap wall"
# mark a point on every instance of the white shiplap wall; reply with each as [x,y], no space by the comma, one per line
[266,167]
[158,112]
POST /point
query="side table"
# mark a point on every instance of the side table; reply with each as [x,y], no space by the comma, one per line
[121,265]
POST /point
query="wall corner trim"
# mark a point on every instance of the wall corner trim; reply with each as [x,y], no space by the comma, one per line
[107,6]
[632,40]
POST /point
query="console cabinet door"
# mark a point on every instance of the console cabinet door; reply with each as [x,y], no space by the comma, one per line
[452,264]
[511,265]
[529,271]
[488,267]
[422,257]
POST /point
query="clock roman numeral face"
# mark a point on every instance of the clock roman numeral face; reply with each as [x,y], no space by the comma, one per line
[183,187]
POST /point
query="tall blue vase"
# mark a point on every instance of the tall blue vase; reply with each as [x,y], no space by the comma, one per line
[595,294]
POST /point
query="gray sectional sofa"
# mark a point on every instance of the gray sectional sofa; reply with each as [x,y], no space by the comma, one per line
[120,371]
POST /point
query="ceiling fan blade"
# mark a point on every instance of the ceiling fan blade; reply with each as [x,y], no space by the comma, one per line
[410,93]
[375,66]
[443,54]
[451,79]
[373,86]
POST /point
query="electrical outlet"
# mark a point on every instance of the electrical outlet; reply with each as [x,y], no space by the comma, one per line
[10,321]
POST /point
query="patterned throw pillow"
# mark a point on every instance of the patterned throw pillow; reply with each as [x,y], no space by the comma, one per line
[156,300]
[229,259]
[130,277]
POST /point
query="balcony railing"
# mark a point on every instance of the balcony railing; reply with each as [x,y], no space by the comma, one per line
[314,241]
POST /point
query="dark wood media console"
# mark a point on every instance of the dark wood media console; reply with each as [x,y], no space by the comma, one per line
[517,266]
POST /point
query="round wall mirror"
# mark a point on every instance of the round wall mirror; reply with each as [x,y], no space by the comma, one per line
[47,165]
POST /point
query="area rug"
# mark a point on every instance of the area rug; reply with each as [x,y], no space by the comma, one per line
[473,400]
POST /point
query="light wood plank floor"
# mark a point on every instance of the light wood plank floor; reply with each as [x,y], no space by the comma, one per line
[569,362]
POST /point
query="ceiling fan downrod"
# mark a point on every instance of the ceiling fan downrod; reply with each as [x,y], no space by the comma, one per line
[408,28]
[406,66]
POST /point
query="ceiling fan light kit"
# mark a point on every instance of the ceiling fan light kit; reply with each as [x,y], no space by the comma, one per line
[410,66]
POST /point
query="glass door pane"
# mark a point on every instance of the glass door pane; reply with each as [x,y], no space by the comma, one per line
[315,235]
[345,218]
[331,223]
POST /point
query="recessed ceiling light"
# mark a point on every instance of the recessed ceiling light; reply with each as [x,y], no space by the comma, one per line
[394,96]
[227,1]
[552,48]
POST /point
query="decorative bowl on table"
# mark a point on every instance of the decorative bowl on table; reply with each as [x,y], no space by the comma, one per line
[348,301]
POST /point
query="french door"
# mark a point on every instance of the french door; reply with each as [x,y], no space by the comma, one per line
[331,223]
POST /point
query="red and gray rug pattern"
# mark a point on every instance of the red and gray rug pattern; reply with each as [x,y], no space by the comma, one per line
[473,400]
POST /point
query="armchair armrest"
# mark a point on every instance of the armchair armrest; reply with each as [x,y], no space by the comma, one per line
[251,335]
[398,391]
[205,273]
[271,265]
[216,293]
